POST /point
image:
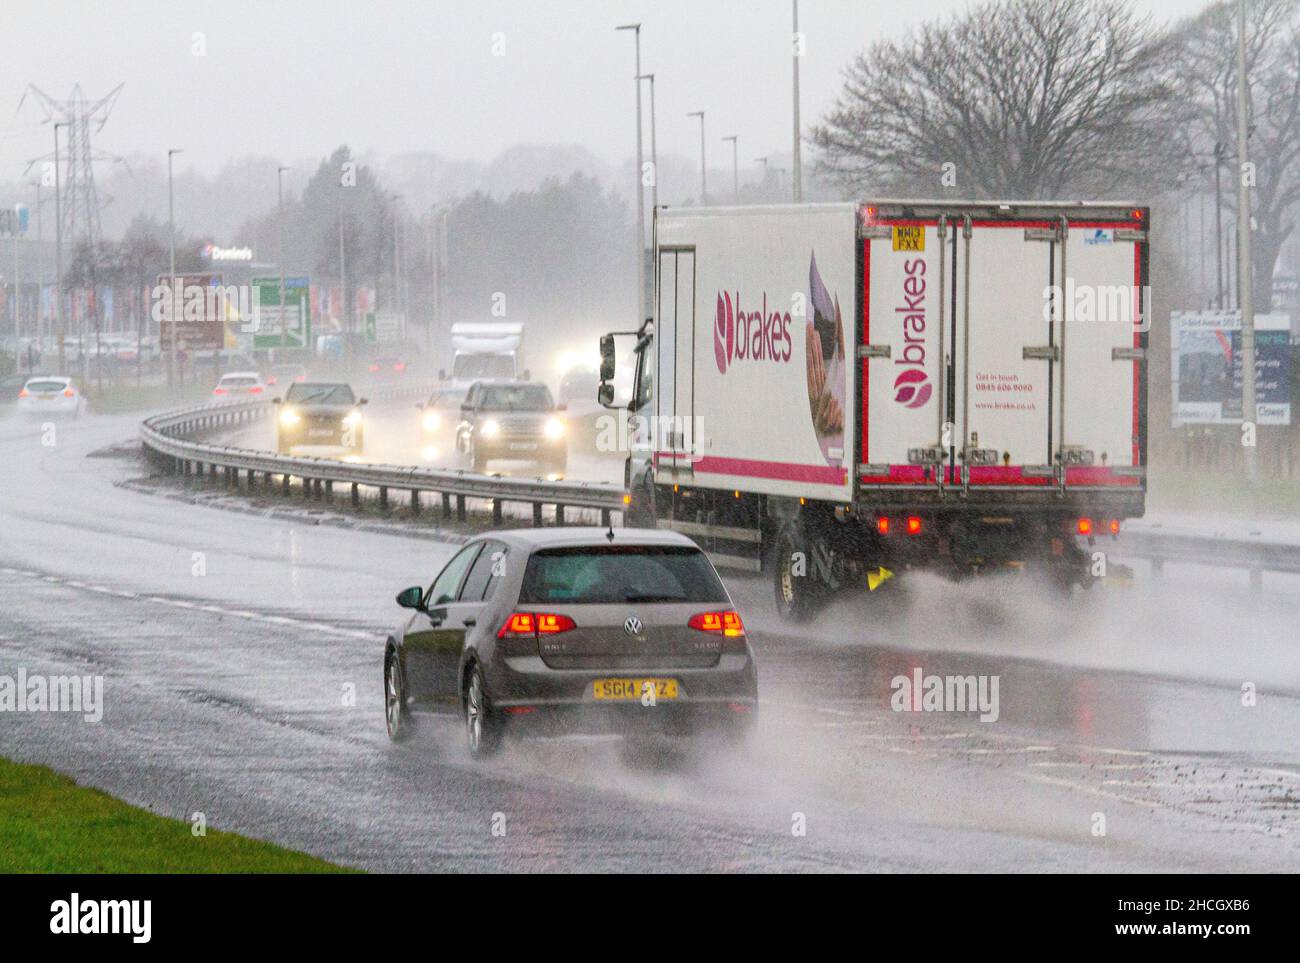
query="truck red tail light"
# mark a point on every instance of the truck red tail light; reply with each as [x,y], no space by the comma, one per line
[882,525]
[1085,526]
[1114,526]
[218,391]
[913,525]
[723,623]
[523,625]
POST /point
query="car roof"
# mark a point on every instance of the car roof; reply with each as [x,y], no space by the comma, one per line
[322,384]
[532,539]
[241,374]
[508,383]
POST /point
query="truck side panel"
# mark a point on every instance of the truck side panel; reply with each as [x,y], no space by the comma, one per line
[770,406]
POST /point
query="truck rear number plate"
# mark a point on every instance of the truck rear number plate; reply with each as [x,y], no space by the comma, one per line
[909,238]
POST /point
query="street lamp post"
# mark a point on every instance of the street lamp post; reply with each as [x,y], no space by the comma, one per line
[640,185]
[171,291]
[1245,276]
[796,51]
[704,176]
[58,252]
[654,149]
[735,167]
[397,265]
[279,186]
[1220,152]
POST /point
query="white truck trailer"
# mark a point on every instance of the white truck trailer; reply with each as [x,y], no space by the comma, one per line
[833,393]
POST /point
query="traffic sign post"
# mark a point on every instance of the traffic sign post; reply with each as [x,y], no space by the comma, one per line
[269,331]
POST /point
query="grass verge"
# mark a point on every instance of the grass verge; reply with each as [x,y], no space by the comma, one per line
[49,824]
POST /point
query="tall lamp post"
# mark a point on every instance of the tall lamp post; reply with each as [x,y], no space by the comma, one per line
[279,188]
[654,149]
[735,167]
[640,186]
[171,291]
[58,252]
[796,52]
[1245,276]
[704,176]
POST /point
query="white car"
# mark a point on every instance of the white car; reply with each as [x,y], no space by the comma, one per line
[239,383]
[50,395]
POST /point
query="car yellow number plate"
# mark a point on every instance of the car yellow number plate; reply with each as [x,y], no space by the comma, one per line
[633,689]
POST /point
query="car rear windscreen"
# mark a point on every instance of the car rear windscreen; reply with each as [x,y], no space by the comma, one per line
[517,398]
[604,574]
[44,386]
[305,393]
[239,382]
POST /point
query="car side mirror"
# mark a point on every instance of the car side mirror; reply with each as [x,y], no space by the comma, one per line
[363,401]
[605,395]
[606,357]
[275,401]
[411,598]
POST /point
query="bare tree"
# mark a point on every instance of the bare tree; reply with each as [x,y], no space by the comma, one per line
[1015,99]
[1206,79]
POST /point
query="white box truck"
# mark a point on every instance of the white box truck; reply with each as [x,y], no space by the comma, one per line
[835,392]
[485,350]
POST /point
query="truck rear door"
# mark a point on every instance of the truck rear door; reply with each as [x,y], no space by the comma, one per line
[1002,351]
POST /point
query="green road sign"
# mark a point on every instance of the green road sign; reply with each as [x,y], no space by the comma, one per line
[268,331]
[372,332]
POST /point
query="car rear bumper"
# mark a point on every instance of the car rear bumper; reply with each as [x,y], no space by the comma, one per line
[532,695]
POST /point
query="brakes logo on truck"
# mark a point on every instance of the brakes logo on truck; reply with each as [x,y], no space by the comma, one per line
[912,387]
[749,335]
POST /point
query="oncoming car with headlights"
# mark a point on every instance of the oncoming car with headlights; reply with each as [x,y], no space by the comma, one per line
[319,413]
[512,420]
[558,630]
[438,419]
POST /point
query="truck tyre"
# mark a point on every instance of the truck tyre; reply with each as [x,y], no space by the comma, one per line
[796,589]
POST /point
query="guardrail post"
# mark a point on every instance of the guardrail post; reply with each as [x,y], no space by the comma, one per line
[415,502]
[496,511]
[460,508]
[446,505]
[356,495]
[285,482]
[329,491]
[559,515]
[383,498]
[604,518]
[318,489]
[537,514]
[306,487]
[269,479]
[252,480]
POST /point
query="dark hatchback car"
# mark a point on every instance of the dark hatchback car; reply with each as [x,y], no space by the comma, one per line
[319,413]
[550,631]
[514,420]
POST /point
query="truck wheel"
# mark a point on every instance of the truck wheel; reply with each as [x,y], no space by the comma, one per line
[797,598]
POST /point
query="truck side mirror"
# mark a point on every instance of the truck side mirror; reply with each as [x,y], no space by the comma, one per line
[606,357]
[605,394]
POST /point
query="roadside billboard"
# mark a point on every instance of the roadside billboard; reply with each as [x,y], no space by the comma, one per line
[1207,368]
[201,307]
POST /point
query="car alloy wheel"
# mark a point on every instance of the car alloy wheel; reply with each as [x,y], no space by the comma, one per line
[395,718]
[482,729]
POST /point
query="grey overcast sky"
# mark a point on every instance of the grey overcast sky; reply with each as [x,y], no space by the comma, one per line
[294,78]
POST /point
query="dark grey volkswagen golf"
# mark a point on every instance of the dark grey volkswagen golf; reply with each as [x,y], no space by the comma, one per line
[558,630]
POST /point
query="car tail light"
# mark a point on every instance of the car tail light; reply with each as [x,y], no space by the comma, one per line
[24,393]
[69,393]
[300,378]
[913,525]
[521,625]
[1085,526]
[374,367]
[723,623]
[882,525]
[271,380]
[255,390]
[400,366]
[218,391]
[1114,526]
